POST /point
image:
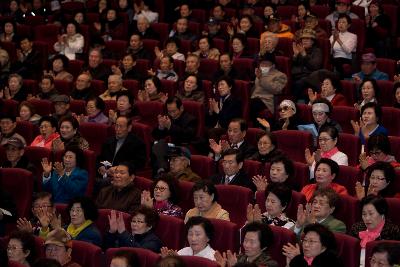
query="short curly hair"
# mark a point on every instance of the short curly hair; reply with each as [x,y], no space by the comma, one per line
[89,208]
[151,217]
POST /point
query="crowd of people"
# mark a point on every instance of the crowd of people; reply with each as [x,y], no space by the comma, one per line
[290,62]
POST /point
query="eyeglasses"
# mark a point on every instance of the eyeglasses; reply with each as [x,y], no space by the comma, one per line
[324,140]
[310,242]
[375,262]
[13,248]
[159,188]
[372,177]
[137,222]
[321,203]
[284,108]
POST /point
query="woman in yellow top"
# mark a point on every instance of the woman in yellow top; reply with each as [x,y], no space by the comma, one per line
[205,197]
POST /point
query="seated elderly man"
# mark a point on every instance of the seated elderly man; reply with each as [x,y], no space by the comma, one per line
[97,69]
[8,124]
[114,86]
[179,164]
[268,43]
[122,194]
[15,150]
[369,70]
[143,28]
[136,47]
[61,107]
[311,22]
[269,82]
[82,89]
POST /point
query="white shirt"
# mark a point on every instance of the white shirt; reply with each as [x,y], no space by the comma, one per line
[349,41]
[340,158]
[72,46]
[207,252]
[149,15]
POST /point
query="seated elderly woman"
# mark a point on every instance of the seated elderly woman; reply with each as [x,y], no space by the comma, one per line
[325,171]
[374,225]
[369,125]
[59,64]
[124,258]
[379,177]
[368,91]
[14,89]
[330,89]
[163,197]
[205,197]
[321,111]
[206,50]
[280,172]
[258,237]
[125,106]
[66,179]
[266,148]
[21,248]
[144,221]
[95,107]
[319,210]
[327,140]
[69,135]
[151,92]
[27,112]
[288,120]
[48,132]
[378,149]
[385,255]
[199,233]
[318,249]
[278,197]
[82,214]
[192,89]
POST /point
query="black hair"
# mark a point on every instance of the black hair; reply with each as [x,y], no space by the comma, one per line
[50,119]
[131,258]
[173,186]
[174,99]
[27,240]
[242,38]
[282,192]
[232,151]
[89,208]
[392,251]
[379,142]
[151,216]
[126,93]
[269,135]
[345,16]
[242,122]
[377,109]
[203,222]
[332,131]
[73,22]
[48,77]
[173,40]
[130,166]
[326,237]
[227,79]
[199,82]
[287,164]
[155,80]
[329,193]
[378,202]
[170,261]
[265,234]
[206,186]
[74,122]
[388,172]
[40,195]
[63,58]
[28,104]
[335,82]
[332,165]
[98,102]
[79,156]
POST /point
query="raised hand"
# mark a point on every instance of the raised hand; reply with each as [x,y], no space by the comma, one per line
[220,258]
[215,147]
[260,182]
[47,167]
[120,223]
[213,105]
[112,221]
[360,191]
[24,225]
[356,127]
[257,213]
[249,213]
[44,217]
[146,199]
[312,95]
[363,160]
[232,259]
[224,144]
[290,251]
[310,158]
[301,216]
[157,52]
[317,155]
[55,221]
[264,123]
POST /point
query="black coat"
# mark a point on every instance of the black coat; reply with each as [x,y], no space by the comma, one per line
[7,203]
[100,73]
[182,130]
[232,108]
[30,67]
[325,259]
[240,179]
[132,150]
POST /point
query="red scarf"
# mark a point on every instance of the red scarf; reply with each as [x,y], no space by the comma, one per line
[160,204]
[370,235]
[330,153]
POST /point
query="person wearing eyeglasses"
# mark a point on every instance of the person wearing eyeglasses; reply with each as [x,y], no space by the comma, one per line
[385,255]
[378,149]
[21,248]
[143,223]
[375,224]
[163,197]
[82,214]
[318,248]
[48,132]
[288,119]
[44,217]
[379,177]
[58,246]
[327,139]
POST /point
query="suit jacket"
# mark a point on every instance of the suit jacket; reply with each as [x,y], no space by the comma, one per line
[247,149]
[30,67]
[231,108]
[182,130]
[240,179]
[133,150]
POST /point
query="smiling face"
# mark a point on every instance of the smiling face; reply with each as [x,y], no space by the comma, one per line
[327,88]
[343,25]
[230,165]
[67,131]
[237,45]
[264,145]
[25,113]
[7,126]
[91,109]
[245,24]
[70,160]
[161,191]
[367,91]
[326,142]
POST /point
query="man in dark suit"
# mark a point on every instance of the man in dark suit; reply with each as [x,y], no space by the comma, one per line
[236,132]
[29,63]
[233,174]
[123,147]
[97,69]
[178,125]
[143,28]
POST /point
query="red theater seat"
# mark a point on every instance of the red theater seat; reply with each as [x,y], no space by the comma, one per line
[202,165]
[394,207]
[185,196]
[282,236]
[28,130]
[143,183]
[148,112]
[147,258]
[348,249]
[208,67]
[389,117]
[197,110]
[343,115]
[86,254]
[194,261]
[348,176]
[78,106]
[95,133]
[226,236]
[347,210]
[351,146]
[294,143]
[171,232]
